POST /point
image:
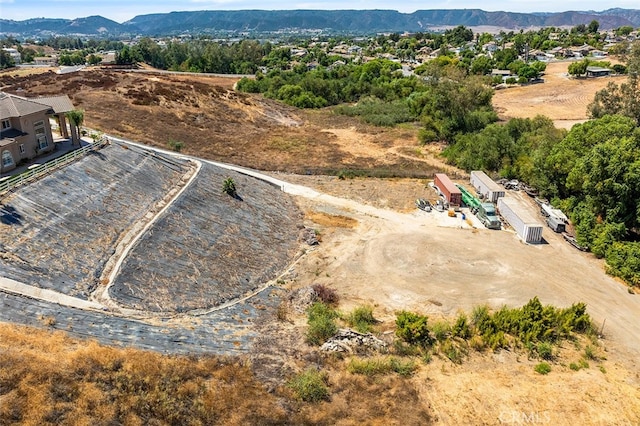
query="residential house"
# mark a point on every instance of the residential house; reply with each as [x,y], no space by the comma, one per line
[26,130]
[46,61]
[598,72]
[14,54]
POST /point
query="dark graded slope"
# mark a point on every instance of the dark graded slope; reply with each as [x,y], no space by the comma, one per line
[58,232]
[210,248]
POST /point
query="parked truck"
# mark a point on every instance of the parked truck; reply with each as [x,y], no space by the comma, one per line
[486,188]
[488,217]
[448,189]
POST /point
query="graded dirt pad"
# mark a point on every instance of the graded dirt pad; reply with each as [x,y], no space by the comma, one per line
[217,123]
[210,248]
[436,265]
[561,98]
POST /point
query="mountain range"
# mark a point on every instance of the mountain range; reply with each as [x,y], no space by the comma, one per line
[328,21]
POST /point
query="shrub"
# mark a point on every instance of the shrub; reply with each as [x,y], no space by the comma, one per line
[441,330]
[590,353]
[361,318]
[176,145]
[545,350]
[326,294]
[310,386]
[453,352]
[403,368]
[412,328]
[377,366]
[477,343]
[321,322]
[574,366]
[402,348]
[369,367]
[229,187]
[461,328]
[542,368]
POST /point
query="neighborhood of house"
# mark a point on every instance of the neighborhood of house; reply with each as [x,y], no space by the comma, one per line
[26,128]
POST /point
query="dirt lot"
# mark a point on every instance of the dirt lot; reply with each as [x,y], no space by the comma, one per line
[396,257]
[430,263]
[561,98]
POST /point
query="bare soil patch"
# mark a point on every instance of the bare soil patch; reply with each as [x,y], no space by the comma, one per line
[561,98]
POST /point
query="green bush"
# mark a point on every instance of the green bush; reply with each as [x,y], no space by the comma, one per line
[369,367]
[542,368]
[412,328]
[545,350]
[452,351]
[590,353]
[176,145]
[579,365]
[441,330]
[229,187]
[461,328]
[310,386]
[321,322]
[362,319]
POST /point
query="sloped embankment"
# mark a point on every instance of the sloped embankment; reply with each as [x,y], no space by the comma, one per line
[58,232]
[209,247]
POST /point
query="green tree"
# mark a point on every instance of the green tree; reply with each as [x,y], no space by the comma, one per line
[6,61]
[623,99]
[76,118]
[578,69]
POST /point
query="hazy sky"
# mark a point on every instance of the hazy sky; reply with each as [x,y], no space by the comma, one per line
[123,10]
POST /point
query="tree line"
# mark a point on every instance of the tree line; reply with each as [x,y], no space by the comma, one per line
[592,171]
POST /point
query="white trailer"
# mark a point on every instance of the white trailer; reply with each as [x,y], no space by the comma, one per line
[486,187]
[517,215]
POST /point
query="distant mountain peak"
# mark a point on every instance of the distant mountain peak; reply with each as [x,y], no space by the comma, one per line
[330,21]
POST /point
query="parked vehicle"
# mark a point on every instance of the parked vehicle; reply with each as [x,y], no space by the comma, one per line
[556,224]
[572,240]
[423,204]
[488,217]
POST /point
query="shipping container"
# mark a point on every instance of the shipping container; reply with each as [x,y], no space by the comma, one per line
[517,215]
[486,187]
[448,189]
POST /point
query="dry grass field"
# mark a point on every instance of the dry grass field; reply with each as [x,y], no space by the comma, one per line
[561,98]
[375,249]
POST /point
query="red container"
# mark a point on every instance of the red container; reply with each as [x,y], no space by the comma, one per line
[450,191]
